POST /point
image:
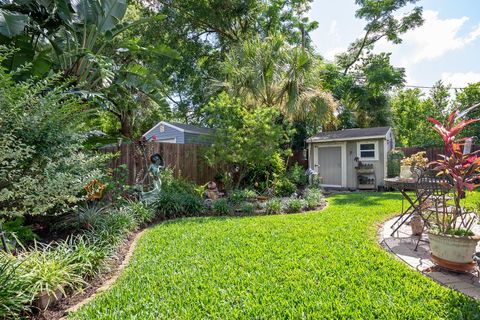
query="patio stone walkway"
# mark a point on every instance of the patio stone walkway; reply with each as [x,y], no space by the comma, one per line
[402,245]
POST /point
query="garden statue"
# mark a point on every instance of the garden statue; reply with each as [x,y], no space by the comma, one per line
[154,169]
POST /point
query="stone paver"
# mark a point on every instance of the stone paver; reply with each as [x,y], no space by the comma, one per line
[402,245]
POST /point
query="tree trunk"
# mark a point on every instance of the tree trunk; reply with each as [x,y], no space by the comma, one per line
[126,127]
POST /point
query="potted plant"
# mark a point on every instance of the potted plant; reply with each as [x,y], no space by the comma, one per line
[417,160]
[452,241]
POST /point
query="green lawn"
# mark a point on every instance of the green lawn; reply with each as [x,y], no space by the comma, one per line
[325,265]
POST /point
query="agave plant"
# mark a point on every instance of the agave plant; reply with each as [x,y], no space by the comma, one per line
[462,170]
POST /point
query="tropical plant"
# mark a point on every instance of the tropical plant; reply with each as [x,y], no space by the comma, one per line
[461,170]
[266,72]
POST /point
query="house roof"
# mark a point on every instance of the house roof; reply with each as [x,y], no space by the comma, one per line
[351,134]
[188,128]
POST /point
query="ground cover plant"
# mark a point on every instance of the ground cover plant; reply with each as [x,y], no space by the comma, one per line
[323,265]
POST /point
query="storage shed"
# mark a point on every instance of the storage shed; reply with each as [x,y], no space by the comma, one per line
[174,132]
[351,158]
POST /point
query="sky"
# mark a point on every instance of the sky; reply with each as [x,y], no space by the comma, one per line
[446,47]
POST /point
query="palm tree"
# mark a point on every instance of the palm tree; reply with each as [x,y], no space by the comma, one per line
[270,73]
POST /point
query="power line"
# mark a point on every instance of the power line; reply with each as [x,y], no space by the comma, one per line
[430,87]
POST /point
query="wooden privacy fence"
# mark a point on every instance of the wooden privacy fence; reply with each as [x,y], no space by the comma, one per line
[186,160]
[431,152]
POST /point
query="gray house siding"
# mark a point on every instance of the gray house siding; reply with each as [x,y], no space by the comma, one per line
[167,134]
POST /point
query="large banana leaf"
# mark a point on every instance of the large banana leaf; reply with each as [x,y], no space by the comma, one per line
[11,23]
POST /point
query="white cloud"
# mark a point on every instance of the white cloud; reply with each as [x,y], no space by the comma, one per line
[459,79]
[435,38]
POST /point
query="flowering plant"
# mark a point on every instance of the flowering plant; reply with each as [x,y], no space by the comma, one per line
[461,170]
[418,160]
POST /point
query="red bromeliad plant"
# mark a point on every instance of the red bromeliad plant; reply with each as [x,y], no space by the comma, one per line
[461,170]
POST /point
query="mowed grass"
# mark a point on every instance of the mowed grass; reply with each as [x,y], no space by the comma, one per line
[323,265]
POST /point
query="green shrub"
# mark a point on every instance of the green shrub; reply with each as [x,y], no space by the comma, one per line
[85,216]
[393,163]
[141,211]
[247,208]
[313,198]
[296,174]
[44,166]
[240,195]
[222,207]
[273,206]
[172,204]
[284,187]
[15,293]
[295,205]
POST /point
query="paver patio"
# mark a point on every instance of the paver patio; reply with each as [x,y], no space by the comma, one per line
[402,245]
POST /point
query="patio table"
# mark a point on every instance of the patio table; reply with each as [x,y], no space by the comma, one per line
[414,201]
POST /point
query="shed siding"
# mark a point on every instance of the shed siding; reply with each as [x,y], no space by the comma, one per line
[169,133]
[351,153]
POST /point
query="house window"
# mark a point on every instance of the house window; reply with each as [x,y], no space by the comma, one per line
[368,150]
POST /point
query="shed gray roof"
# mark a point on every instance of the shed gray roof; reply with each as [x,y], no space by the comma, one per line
[189,128]
[350,134]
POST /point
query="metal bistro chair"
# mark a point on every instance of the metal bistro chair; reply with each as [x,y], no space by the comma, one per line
[433,194]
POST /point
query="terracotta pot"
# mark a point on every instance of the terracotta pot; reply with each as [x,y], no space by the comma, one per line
[417,225]
[455,250]
[45,299]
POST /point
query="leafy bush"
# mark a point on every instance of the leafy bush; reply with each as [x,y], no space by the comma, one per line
[313,198]
[15,293]
[296,174]
[273,206]
[239,195]
[141,212]
[284,187]
[222,207]
[44,167]
[394,158]
[247,208]
[172,204]
[295,205]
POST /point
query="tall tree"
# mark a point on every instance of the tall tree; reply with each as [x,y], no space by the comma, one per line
[382,23]
[268,72]
[410,110]
[467,98]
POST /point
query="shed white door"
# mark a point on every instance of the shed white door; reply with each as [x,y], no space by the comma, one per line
[329,165]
